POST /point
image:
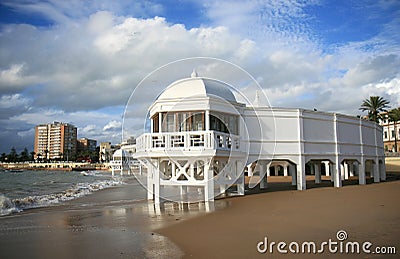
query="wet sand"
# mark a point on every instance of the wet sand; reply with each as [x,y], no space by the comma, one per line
[108,224]
[105,224]
[367,213]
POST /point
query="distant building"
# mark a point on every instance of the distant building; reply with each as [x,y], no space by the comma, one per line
[389,133]
[56,140]
[85,144]
[106,151]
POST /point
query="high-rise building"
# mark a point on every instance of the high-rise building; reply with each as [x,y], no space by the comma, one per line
[56,140]
[86,144]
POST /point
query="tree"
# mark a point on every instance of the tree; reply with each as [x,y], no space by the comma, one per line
[13,156]
[46,152]
[394,116]
[3,157]
[374,105]
[32,155]
[24,155]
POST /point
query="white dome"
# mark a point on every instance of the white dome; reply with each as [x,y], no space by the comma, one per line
[197,87]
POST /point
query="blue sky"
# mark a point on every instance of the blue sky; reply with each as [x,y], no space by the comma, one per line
[79,61]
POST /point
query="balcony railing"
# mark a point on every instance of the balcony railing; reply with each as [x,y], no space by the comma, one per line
[188,140]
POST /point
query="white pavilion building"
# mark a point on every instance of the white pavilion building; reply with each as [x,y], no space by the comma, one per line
[203,139]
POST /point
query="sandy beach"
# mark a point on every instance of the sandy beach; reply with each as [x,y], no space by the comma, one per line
[108,224]
[367,213]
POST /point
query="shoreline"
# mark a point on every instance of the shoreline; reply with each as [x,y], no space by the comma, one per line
[109,223]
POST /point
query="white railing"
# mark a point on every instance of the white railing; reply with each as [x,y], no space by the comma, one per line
[188,139]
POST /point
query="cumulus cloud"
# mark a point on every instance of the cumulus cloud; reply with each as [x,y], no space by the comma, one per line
[84,67]
[112,125]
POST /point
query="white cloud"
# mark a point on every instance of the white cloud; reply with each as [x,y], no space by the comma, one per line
[112,125]
[92,60]
[13,101]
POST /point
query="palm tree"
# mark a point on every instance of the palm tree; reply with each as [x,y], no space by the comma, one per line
[394,116]
[374,105]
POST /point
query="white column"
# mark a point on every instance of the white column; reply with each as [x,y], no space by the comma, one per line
[210,206]
[285,170]
[361,172]
[240,180]
[249,170]
[342,170]
[301,174]
[207,115]
[317,172]
[326,163]
[346,170]
[156,181]
[376,171]
[292,172]
[276,170]
[150,185]
[382,170]
[351,169]
[337,175]
[263,178]
[209,185]
[312,171]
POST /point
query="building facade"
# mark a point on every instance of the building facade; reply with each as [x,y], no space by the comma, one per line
[106,152]
[391,133]
[85,144]
[202,141]
[55,141]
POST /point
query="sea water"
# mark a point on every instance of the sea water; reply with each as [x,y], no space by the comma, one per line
[32,189]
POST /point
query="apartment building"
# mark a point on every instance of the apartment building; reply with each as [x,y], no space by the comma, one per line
[391,131]
[106,151]
[56,140]
[86,144]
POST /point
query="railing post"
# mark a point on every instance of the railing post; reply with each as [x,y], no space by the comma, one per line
[186,136]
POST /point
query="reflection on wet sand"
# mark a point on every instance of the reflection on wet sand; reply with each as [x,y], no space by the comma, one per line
[98,228]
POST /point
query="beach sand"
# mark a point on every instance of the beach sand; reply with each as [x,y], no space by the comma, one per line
[105,224]
[108,224]
[367,213]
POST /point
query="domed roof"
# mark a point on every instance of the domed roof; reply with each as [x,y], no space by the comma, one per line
[197,87]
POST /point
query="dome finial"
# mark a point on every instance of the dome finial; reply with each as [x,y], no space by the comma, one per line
[194,73]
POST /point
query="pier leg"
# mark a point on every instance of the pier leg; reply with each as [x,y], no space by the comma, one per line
[301,174]
[317,172]
[361,172]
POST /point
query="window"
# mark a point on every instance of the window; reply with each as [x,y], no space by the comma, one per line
[385,134]
[156,123]
[182,121]
[393,133]
[224,123]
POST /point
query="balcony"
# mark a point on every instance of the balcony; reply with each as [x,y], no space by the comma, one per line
[193,140]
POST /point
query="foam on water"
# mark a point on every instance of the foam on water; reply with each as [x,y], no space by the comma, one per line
[9,206]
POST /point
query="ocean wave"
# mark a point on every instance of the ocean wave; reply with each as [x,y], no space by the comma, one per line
[9,206]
